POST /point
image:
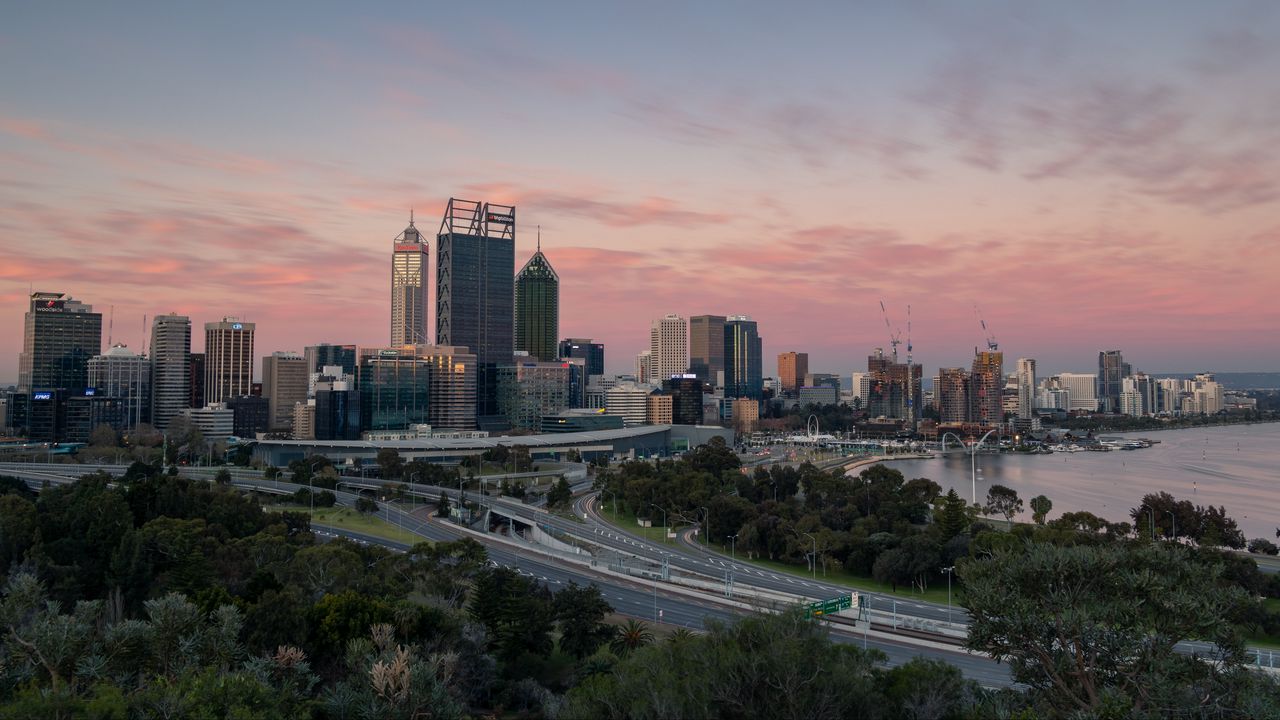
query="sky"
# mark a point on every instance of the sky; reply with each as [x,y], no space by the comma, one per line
[1084,176]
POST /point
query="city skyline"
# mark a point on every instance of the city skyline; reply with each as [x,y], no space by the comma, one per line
[1090,185]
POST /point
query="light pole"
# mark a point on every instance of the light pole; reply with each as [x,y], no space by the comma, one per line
[733,546]
[948,571]
[707,518]
[664,521]
[973,464]
[1174,518]
[1152,512]
[311,492]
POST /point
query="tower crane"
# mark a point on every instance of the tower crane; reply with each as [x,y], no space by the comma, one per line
[895,339]
[992,345]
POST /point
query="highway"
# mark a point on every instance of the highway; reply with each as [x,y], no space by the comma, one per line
[629,596]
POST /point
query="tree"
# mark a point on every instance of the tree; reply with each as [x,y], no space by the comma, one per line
[223,477]
[103,436]
[1263,546]
[630,636]
[442,507]
[366,506]
[560,495]
[951,518]
[1089,626]
[390,463]
[1004,501]
[1040,507]
[580,611]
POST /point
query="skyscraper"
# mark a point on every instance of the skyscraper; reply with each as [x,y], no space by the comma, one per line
[1111,370]
[792,369]
[170,368]
[668,349]
[743,358]
[285,382]
[537,312]
[592,352]
[987,387]
[1026,388]
[951,395]
[706,347]
[228,359]
[122,374]
[421,384]
[409,271]
[59,337]
[475,292]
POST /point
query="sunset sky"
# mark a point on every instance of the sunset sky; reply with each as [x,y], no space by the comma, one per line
[1092,175]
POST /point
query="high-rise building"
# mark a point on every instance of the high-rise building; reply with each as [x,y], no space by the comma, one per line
[170,368]
[951,395]
[337,406]
[630,400]
[537,314]
[706,347]
[592,352]
[987,389]
[668,349]
[1080,389]
[792,369]
[644,366]
[326,355]
[228,359]
[285,382]
[1026,388]
[746,415]
[417,385]
[659,409]
[686,398]
[195,380]
[887,392]
[60,335]
[122,374]
[410,268]
[743,358]
[1112,369]
[475,292]
[539,388]
[251,414]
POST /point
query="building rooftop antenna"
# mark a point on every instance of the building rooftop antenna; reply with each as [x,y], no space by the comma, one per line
[539,238]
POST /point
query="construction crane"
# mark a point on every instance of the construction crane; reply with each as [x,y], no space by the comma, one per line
[992,345]
[895,339]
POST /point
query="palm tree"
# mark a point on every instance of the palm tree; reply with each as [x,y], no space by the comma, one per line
[680,636]
[631,635]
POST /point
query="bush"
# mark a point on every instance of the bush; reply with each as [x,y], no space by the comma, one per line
[1262,546]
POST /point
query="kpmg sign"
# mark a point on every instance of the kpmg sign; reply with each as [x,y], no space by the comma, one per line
[42,396]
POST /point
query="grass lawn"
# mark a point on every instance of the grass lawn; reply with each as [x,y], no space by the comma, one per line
[627,521]
[838,576]
[349,519]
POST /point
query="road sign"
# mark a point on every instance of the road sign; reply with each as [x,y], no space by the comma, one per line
[828,607]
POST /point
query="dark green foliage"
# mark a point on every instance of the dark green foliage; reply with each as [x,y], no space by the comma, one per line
[1040,507]
[560,494]
[580,612]
[1003,501]
[515,610]
[365,505]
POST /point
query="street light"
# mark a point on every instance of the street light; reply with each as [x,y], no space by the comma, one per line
[1174,518]
[664,521]
[948,571]
[733,546]
[311,492]
[707,518]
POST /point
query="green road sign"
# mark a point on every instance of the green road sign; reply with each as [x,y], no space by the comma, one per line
[827,607]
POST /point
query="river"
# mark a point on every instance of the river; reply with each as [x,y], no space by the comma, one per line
[1236,466]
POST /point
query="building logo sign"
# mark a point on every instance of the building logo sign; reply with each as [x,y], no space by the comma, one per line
[42,396]
[500,219]
[237,326]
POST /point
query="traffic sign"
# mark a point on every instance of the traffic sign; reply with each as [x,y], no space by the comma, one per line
[834,605]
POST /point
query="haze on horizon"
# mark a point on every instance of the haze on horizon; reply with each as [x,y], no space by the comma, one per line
[1093,177]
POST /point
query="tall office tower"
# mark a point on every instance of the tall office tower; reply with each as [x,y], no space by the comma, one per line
[285,382]
[860,386]
[792,369]
[668,349]
[706,347]
[170,368]
[60,336]
[537,313]
[475,292]
[951,395]
[987,383]
[743,358]
[1111,370]
[592,352]
[1026,388]
[337,408]
[195,383]
[122,374]
[631,401]
[409,271]
[228,359]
